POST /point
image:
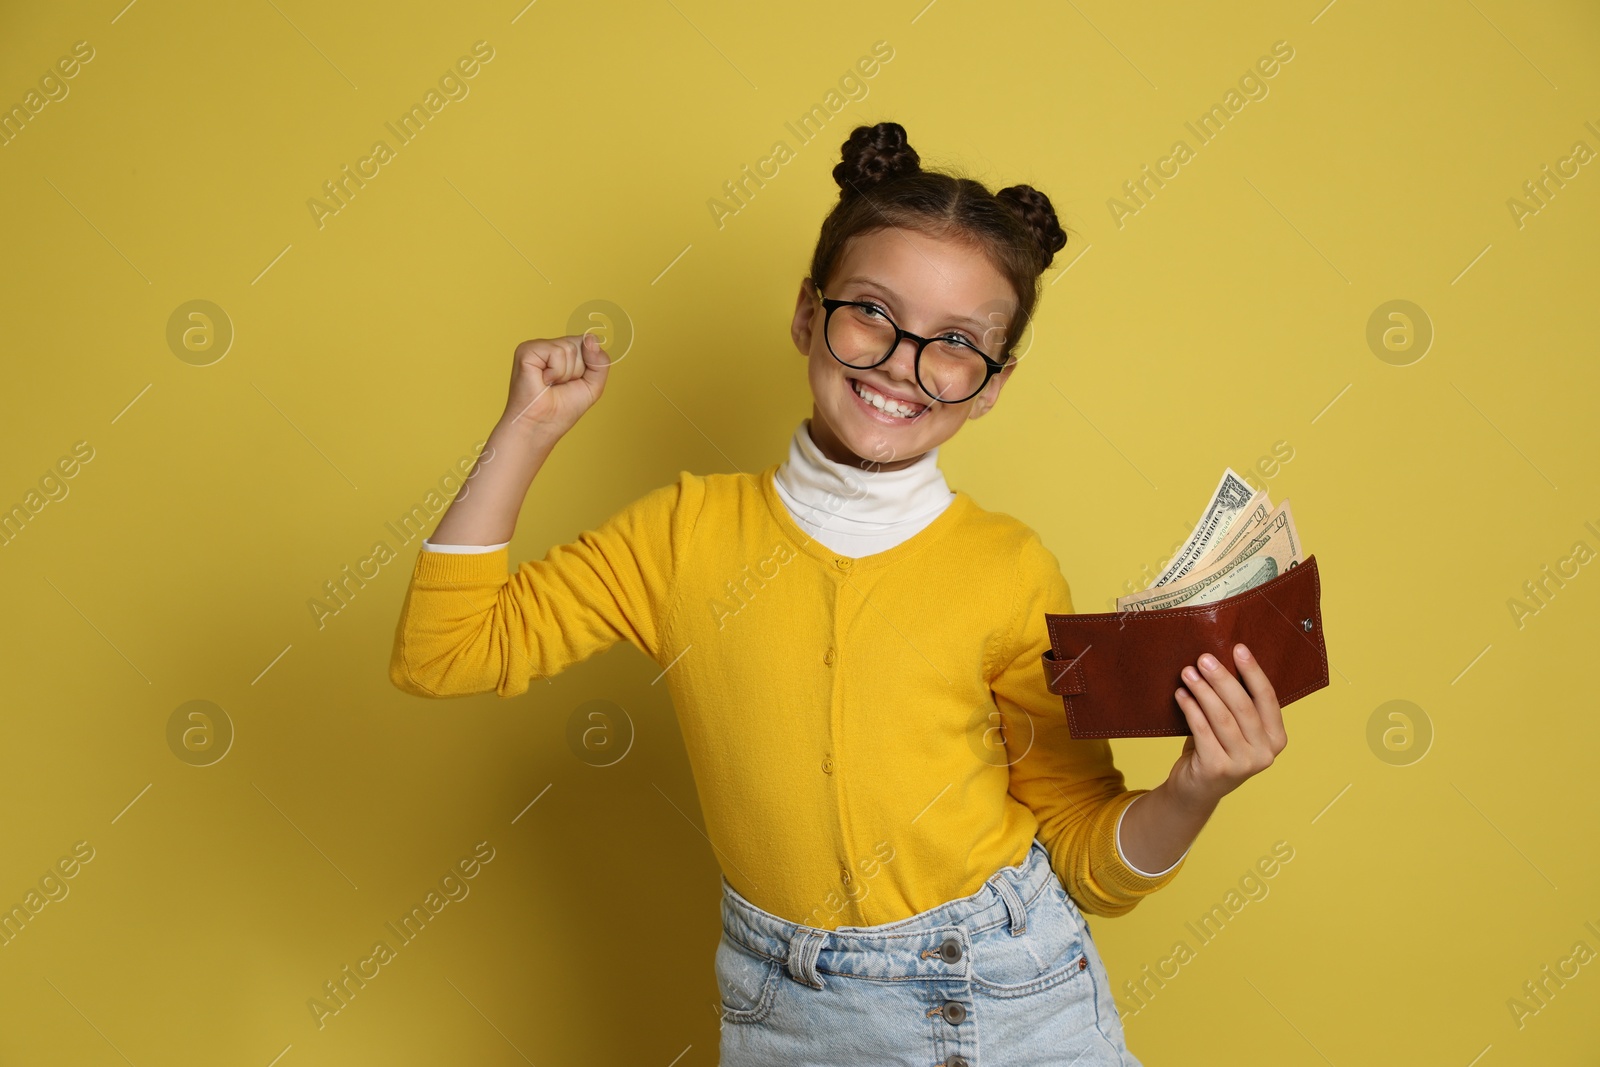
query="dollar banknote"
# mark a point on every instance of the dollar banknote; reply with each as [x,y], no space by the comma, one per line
[1251,519]
[1260,555]
[1229,500]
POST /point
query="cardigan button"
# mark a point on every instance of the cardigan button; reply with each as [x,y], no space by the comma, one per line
[842,562]
[828,657]
[827,764]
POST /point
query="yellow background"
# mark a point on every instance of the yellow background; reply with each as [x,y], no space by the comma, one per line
[370,354]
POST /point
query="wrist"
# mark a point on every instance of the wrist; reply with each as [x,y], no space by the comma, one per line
[523,435]
[1196,803]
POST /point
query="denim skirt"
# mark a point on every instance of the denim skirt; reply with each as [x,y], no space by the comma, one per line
[1008,975]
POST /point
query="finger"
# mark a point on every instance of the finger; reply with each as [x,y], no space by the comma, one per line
[1206,745]
[532,360]
[554,371]
[572,348]
[566,360]
[1218,714]
[1266,698]
[1237,698]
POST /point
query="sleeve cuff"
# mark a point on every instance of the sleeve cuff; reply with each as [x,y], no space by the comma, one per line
[461,567]
[1123,856]
[463,550]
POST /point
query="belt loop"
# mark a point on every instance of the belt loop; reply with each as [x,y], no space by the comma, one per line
[805,945]
[1014,906]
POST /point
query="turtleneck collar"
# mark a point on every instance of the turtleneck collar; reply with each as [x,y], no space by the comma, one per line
[853,511]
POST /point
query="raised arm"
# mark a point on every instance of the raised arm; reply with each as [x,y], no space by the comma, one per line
[553,382]
[467,626]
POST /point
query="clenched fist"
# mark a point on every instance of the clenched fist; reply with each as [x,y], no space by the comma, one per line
[554,381]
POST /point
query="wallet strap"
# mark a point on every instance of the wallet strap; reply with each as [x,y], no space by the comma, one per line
[1064,678]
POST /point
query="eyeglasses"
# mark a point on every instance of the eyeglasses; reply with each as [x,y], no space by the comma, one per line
[861,335]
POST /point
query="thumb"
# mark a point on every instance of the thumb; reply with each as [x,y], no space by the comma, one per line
[596,361]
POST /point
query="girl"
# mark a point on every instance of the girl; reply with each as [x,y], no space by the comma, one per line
[908,836]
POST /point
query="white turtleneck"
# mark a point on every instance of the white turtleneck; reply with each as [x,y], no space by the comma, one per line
[858,512]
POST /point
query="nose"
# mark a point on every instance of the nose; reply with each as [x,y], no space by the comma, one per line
[902,363]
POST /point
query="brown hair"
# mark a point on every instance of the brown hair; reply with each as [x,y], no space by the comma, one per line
[882,184]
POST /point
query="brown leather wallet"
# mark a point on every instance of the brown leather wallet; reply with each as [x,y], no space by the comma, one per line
[1117,671]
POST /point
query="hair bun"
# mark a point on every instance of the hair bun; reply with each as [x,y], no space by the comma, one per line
[872,156]
[1039,214]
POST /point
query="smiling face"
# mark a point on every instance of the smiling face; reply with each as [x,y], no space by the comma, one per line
[929,286]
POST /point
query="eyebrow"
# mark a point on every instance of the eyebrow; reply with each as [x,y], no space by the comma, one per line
[964,321]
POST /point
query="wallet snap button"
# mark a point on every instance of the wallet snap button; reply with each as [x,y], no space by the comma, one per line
[1306,623]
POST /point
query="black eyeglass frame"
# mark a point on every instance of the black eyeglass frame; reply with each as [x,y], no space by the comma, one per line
[829,305]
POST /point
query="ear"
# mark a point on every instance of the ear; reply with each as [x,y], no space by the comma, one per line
[985,401]
[806,320]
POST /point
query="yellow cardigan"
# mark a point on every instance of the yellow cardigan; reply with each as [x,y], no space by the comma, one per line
[869,737]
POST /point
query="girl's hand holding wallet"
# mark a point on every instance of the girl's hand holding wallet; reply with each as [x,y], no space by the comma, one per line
[1239,579]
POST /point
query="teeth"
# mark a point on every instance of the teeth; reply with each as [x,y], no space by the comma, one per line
[882,403]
